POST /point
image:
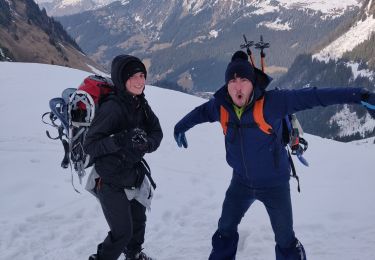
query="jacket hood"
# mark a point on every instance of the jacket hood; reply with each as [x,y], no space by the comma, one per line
[262,80]
[117,68]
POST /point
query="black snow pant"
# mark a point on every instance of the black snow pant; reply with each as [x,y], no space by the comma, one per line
[126,220]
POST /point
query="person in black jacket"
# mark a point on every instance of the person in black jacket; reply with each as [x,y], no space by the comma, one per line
[123,130]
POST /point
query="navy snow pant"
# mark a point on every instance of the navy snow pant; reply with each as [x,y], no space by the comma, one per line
[126,220]
[238,199]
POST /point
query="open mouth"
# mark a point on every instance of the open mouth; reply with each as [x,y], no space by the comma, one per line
[239,96]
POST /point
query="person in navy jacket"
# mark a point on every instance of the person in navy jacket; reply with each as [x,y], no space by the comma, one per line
[261,168]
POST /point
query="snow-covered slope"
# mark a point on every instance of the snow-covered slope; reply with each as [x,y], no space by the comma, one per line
[358,31]
[41,217]
[357,34]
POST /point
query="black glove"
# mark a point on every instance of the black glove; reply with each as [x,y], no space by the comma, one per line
[139,140]
[134,139]
[368,101]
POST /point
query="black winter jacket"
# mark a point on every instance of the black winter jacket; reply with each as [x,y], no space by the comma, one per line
[114,164]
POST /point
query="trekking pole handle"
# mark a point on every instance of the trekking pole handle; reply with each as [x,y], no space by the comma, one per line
[262,45]
[247,46]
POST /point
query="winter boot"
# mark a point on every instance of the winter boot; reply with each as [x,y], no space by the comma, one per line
[295,252]
[137,256]
[96,256]
[93,257]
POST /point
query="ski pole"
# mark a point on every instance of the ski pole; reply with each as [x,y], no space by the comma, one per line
[247,46]
[262,45]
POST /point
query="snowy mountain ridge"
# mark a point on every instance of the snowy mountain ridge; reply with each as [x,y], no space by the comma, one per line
[357,34]
[328,8]
[343,58]
[360,30]
[201,35]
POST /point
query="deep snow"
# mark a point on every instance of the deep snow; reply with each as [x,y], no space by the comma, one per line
[41,217]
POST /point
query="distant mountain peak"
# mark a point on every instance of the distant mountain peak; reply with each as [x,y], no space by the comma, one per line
[328,8]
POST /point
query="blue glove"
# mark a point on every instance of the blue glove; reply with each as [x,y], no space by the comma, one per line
[181,139]
[368,101]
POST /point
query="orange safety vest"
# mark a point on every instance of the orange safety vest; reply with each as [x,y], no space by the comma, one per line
[257,113]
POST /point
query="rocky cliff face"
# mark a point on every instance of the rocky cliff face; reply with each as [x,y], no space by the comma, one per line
[28,34]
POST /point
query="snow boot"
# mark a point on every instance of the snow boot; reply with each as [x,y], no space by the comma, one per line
[295,252]
[94,257]
[136,256]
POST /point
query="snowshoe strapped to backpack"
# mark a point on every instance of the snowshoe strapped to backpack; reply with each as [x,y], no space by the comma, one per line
[72,114]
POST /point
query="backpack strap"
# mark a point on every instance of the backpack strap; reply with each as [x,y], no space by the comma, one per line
[224,119]
[259,117]
[148,173]
[294,173]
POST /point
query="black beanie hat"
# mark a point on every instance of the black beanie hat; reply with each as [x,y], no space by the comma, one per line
[132,68]
[240,67]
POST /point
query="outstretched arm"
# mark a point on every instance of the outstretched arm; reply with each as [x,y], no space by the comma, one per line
[207,112]
[283,102]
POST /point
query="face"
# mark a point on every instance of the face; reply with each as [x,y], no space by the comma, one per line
[240,90]
[136,83]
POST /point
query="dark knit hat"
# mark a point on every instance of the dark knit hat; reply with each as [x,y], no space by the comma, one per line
[240,67]
[133,67]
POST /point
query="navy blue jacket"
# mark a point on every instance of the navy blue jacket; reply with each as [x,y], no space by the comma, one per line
[260,160]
